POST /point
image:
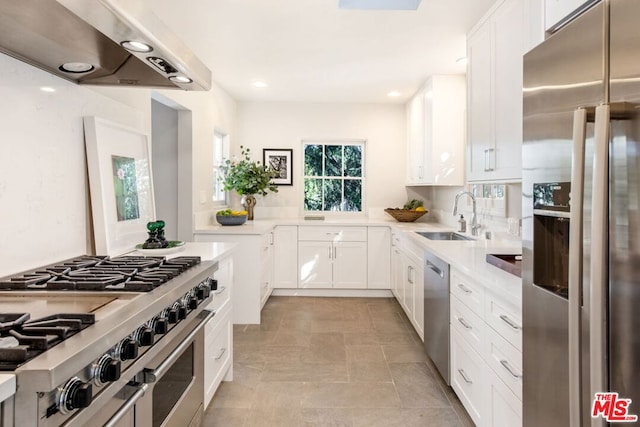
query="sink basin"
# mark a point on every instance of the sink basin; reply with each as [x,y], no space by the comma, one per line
[443,235]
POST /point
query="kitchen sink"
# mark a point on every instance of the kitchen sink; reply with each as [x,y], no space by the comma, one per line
[443,235]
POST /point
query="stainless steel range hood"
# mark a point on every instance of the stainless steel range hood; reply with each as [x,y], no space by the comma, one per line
[89,34]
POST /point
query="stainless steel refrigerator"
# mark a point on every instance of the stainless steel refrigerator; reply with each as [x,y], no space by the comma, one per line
[581,217]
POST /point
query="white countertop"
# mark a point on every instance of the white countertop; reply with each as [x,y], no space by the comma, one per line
[263,226]
[7,386]
[207,251]
[469,257]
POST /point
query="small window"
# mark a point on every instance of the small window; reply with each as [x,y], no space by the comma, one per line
[220,153]
[333,176]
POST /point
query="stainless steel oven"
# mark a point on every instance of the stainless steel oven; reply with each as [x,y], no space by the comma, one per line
[168,391]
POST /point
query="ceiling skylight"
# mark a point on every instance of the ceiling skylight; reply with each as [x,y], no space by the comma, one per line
[379,4]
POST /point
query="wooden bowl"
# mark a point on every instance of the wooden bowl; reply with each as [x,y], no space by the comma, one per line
[404,215]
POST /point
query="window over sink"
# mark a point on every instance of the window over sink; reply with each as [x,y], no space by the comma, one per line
[334,176]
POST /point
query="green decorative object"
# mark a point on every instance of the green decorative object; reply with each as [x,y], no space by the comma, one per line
[156,238]
[247,178]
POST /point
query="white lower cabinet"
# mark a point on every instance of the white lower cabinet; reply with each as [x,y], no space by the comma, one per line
[486,356]
[252,271]
[266,268]
[407,280]
[285,256]
[218,332]
[218,353]
[315,267]
[378,258]
[330,257]
[505,409]
[468,377]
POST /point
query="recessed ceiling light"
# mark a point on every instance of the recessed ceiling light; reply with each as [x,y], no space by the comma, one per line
[134,46]
[260,84]
[47,89]
[379,4]
[180,79]
[462,60]
[394,94]
[76,67]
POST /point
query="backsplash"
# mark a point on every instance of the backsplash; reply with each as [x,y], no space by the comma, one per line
[440,202]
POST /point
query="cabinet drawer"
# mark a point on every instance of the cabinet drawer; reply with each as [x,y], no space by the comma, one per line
[506,362]
[469,292]
[505,319]
[330,234]
[468,378]
[469,325]
[221,297]
[505,408]
[218,351]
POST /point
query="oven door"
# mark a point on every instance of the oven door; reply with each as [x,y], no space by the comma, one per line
[170,390]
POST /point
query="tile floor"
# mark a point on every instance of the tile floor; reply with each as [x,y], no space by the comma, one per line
[345,362]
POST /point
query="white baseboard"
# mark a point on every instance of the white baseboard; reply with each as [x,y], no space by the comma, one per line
[362,293]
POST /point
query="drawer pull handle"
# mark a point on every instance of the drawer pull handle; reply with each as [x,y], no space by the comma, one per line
[221,290]
[510,322]
[464,376]
[465,289]
[222,352]
[508,367]
[464,323]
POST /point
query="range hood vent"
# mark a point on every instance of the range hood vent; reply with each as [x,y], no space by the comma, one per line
[82,41]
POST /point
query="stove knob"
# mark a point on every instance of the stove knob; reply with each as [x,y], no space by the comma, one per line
[105,370]
[203,292]
[182,312]
[144,336]
[74,395]
[193,303]
[214,285]
[128,349]
[173,315]
[161,325]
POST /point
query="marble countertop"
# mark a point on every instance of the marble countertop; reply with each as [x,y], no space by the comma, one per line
[7,386]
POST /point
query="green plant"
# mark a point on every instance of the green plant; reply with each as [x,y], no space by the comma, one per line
[246,176]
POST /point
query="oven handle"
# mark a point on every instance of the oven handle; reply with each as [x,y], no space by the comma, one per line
[130,403]
[151,375]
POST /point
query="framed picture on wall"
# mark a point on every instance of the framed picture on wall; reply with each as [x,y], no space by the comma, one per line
[282,161]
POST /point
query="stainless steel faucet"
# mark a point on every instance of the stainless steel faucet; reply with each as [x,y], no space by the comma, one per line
[475,227]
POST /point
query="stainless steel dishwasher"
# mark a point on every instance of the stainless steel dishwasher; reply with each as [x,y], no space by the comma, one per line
[436,312]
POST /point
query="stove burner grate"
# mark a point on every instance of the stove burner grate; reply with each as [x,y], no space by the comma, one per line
[22,339]
[87,273]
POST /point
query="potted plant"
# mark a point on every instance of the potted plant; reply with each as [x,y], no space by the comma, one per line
[248,178]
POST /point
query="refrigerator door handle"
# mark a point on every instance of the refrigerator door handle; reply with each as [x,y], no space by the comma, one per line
[575,265]
[599,258]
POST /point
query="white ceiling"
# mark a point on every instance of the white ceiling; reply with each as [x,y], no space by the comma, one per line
[311,51]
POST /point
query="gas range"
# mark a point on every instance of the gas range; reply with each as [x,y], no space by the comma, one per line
[79,332]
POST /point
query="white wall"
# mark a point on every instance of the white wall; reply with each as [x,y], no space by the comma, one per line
[164,133]
[44,200]
[286,125]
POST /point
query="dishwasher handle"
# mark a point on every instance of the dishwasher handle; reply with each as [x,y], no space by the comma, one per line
[433,267]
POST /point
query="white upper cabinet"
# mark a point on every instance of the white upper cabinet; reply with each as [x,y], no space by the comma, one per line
[495,51]
[557,12]
[436,132]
